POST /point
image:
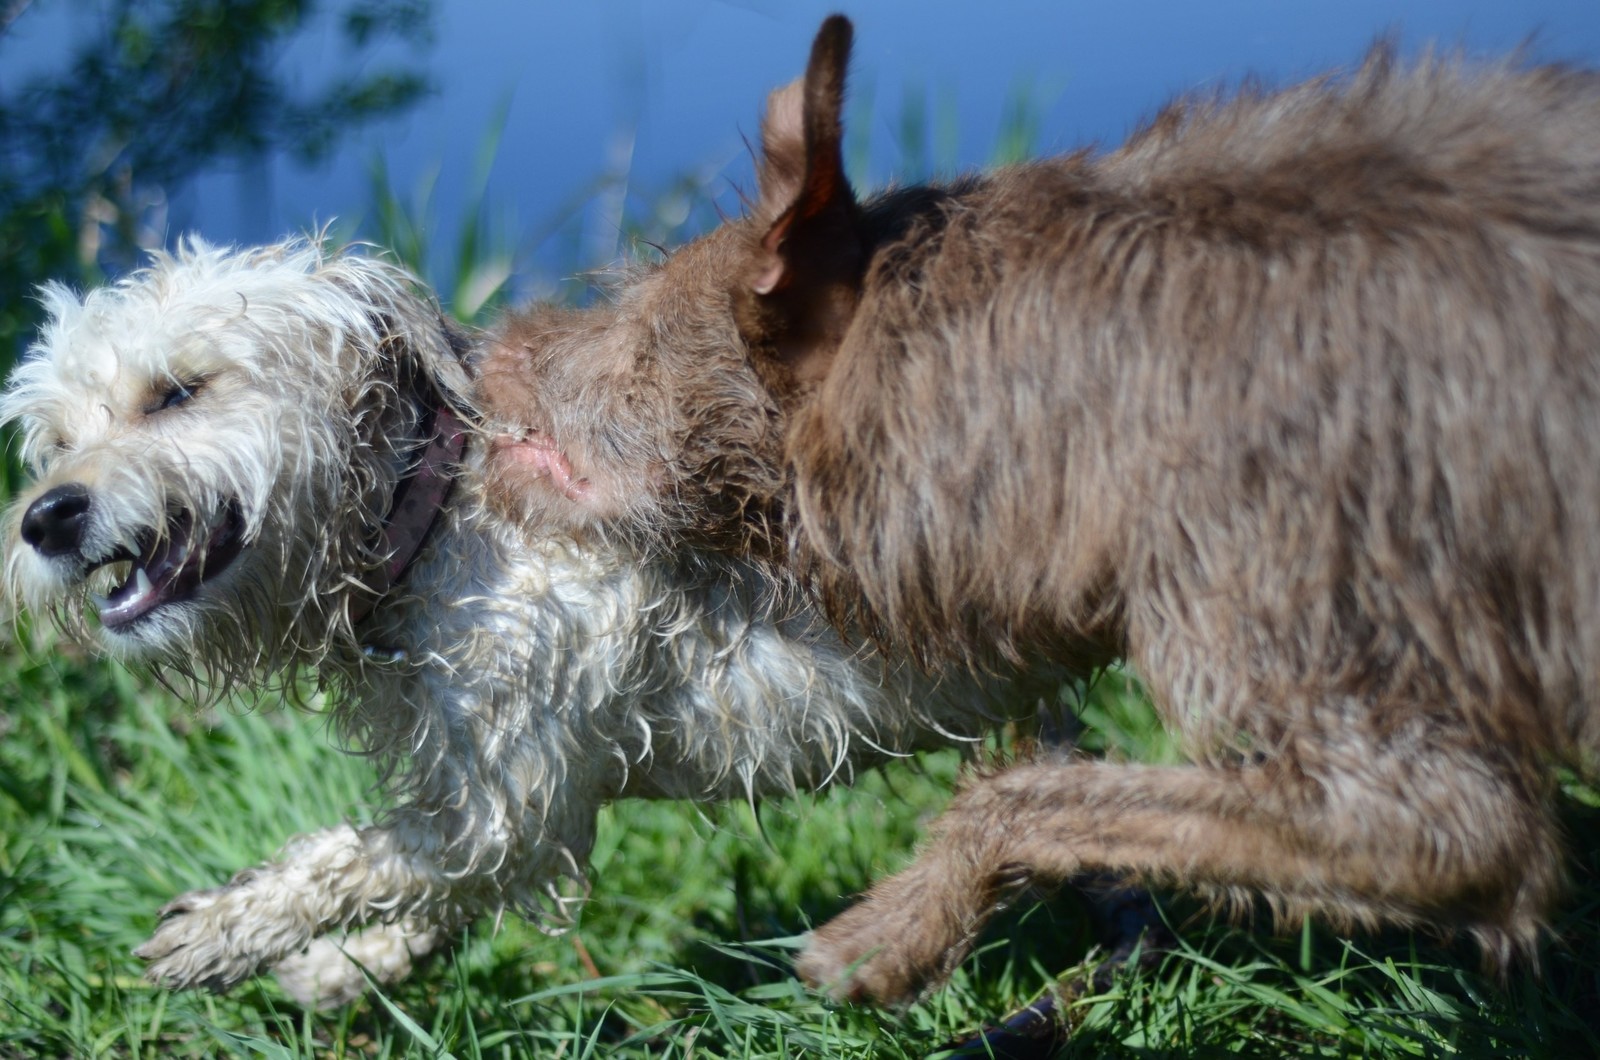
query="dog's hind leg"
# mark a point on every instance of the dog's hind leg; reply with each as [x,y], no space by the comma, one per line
[1399,830]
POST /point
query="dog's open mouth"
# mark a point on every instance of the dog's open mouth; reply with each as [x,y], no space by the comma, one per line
[171,566]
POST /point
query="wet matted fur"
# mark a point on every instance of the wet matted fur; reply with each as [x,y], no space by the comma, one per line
[216,444]
[1291,401]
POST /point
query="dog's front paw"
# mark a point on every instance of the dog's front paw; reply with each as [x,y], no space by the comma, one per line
[215,939]
[190,946]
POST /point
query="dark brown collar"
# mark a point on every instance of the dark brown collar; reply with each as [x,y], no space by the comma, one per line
[418,500]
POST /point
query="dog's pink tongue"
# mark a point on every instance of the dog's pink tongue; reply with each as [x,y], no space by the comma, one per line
[144,588]
[133,599]
[539,450]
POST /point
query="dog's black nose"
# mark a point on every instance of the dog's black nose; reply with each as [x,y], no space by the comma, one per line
[54,523]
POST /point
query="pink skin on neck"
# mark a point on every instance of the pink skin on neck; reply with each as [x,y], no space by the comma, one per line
[537,449]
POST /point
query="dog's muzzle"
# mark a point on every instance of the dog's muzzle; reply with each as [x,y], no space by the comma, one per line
[165,565]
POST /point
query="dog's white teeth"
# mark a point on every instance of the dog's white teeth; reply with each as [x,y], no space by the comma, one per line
[100,602]
[141,582]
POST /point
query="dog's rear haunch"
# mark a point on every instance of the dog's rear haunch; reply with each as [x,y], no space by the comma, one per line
[1293,401]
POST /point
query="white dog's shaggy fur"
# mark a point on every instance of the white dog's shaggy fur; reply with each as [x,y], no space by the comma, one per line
[216,443]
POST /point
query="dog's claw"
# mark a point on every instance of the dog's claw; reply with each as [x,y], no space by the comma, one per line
[149,951]
[187,903]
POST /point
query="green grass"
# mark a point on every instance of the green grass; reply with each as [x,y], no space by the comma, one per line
[115,797]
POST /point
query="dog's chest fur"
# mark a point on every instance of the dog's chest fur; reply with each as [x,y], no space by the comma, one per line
[529,680]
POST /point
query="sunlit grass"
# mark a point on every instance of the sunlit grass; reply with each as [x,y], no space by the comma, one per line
[116,798]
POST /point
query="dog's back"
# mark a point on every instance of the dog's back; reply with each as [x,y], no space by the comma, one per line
[1304,382]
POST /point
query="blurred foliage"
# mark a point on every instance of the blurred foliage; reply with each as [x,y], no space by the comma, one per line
[152,93]
[477,283]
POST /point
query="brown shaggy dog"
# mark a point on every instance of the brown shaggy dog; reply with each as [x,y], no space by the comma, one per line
[1293,401]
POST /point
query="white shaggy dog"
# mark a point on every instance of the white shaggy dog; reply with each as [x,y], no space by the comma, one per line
[253,465]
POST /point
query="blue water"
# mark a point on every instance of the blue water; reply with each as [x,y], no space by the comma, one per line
[651,90]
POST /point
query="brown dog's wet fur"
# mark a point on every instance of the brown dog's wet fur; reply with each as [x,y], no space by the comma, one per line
[1293,402]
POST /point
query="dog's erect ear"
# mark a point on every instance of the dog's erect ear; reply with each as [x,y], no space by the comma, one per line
[807,276]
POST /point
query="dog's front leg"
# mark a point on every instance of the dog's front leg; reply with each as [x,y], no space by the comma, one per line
[325,880]
[1389,831]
